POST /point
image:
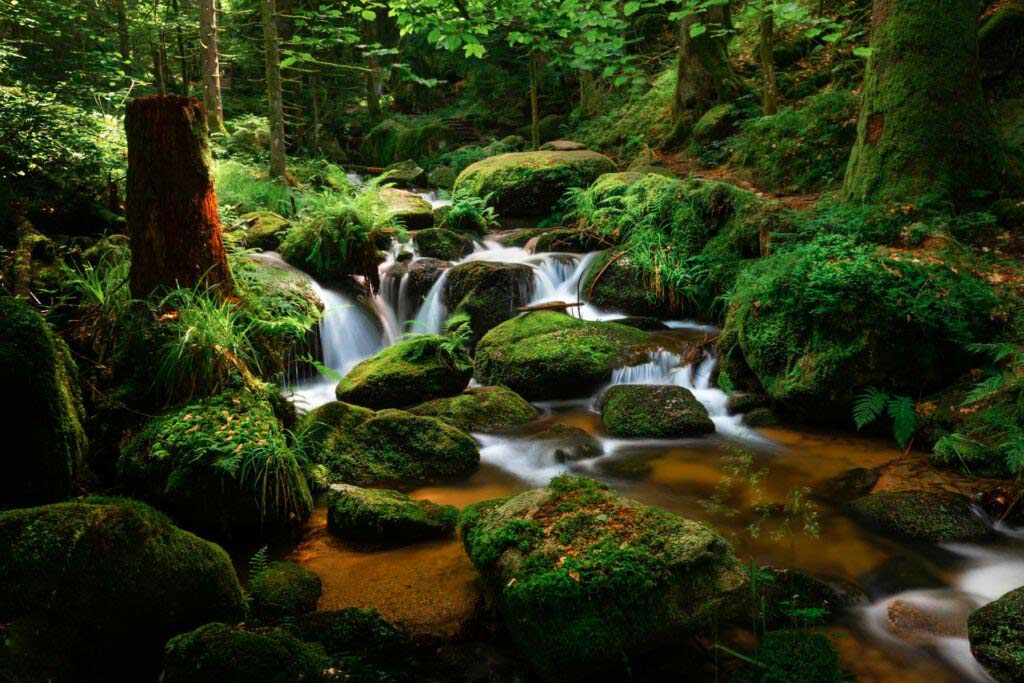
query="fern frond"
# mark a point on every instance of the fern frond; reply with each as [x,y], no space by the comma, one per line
[904,419]
[869,406]
[985,389]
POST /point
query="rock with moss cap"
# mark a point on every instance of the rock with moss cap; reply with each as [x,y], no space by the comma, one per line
[319,423]
[404,174]
[490,293]
[566,240]
[394,446]
[480,409]
[559,443]
[261,230]
[531,183]
[932,516]
[587,580]
[45,410]
[110,580]
[996,632]
[442,244]
[283,590]
[659,412]
[441,176]
[618,284]
[412,210]
[562,146]
[549,355]
[717,123]
[385,516]
[792,656]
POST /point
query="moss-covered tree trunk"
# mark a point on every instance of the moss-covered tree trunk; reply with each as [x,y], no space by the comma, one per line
[171,208]
[275,94]
[373,73]
[924,126]
[704,73]
[766,29]
[534,102]
[211,66]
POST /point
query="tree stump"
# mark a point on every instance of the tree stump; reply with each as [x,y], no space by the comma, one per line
[171,207]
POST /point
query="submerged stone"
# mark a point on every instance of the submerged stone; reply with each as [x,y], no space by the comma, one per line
[659,412]
[384,516]
[932,516]
[562,443]
[479,409]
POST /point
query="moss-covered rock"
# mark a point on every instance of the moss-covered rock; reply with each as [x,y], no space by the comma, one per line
[283,590]
[219,653]
[442,244]
[792,656]
[996,632]
[410,209]
[560,443]
[413,370]
[562,146]
[479,409]
[392,140]
[220,465]
[619,284]
[404,174]
[394,446]
[717,123]
[44,415]
[587,580]
[489,292]
[319,423]
[442,177]
[546,355]
[531,183]
[933,516]
[760,417]
[94,588]
[261,230]
[660,412]
[571,241]
[384,516]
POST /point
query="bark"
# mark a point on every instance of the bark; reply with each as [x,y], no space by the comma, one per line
[211,66]
[588,96]
[182,56]
[704,74]
[122,31]
[159,66]
[171,207]
[534,103]
[924,126]
[275,96]
[373,75]
[770,98]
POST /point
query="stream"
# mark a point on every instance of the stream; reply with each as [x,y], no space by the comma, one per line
[735,479]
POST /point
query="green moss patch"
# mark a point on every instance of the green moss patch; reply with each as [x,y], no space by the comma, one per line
[996,633]
[383,516]
[480,409]
[791,656]
[283,590]
[660,412]
[442,244]
[933,516]
[490,293]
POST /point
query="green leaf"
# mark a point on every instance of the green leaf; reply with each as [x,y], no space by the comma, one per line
[630,8]
[368,15]
[697,29]
[863,52]
[904,419]
[869,406]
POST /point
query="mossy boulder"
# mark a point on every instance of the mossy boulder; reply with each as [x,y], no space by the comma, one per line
[410,281]
[410,209]
[390,141]
[319,423]
[619,284]
[587,580]
[931,516]
[220,653]
[442,177]
[549,355]
[560,443]
[480,409]
[395,447]
[442,244]
[571,241]
[94,588]
[283,590]
[562,146]
[489,292]
[404,174]
[996,632]
[531,183]
[760,417]
[384,516]
[220,465]
[44,415]
[717,123]
[659,412]
[413,370]
[789,656]
[261,230]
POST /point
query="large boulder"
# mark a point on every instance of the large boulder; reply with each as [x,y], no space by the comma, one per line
[442,177]
[717,123]
[44,413]
[410,209]
[587,580]
[480,409]
[489,292]
[659,412]
[531,183]
[261,230]
[92,589]
[996,632]
[394,446]
[320,423]
[549,355]
[283,590]
[932,516]
[413,370]
[619,284]
[384,516]
[404,174]
[442,244]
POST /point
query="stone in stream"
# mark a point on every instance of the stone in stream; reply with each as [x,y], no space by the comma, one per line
[549,355]
[320,423]
[480,409]
[422,274]
[658,412]
[846,486]
[760,417]
[931,516]
[922,623]
[490,293]
[385,516]
[412,210]
[441,176]
[618,284]
[442,244]
[561,443]
[899,574]
[404,174]
[283,590]
[645,323]
[566,240]
[790,589]
[413,370]
[996,632]
[94,588]
[587,580]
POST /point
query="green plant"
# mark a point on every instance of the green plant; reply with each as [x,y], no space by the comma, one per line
[243,188]
[873,403]
[469,213]
[259,561]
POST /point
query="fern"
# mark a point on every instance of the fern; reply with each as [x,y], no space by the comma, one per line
[904,419]
[259,561]
[869,406]
[985,389]
[873,403]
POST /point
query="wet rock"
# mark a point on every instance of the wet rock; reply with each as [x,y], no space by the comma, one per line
[384,516]
[562,146]
[441,176]
[283,590]
[442,244]
[404,174]
[914,622]
[760,417]
[931,516]
[319,423]
[563,443]
[380,649]
[586,580]
[422,272]
[480,409]
[519,238]
[627,467]
[996,632]
[800,590]
[647,324]
[412,210]
[489,292]
[618,284]
[743,402]
[847,486]
[568,241]
[899,574]
[660,412]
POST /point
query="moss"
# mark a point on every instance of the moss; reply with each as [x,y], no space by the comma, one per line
[996,632]
[411,210]
[563,240]
[717,123]
[660,412]
[531,183]
[544,355]
[110,580]
[490,293]
[261,230]
[421,141]
[792,657]
[221,465]
[380,143]
[403,174]
[586,580]
[394,446]
[479,409]
[319,423]
[383,516]
[933,516]
[283,590]
[761,417]
[619,284]
[442,177]
[634,123]
[413,370]
[219,653]
[45,410]
[442,244]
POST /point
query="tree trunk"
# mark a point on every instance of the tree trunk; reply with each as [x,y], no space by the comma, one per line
[275,97]
[924,125]
[704,74]
[159,72]
[122,32]
[182,56]
[770,98]
[211,66]
[373,75]
[534,103]
[588,97]
[171,208]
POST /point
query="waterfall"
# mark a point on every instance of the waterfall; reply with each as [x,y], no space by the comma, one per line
[432,314]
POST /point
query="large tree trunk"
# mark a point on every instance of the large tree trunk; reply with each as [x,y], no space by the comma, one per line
[275,97]
[211,66]
[766,29]
[924,126]
[373,74]
[534,102]
[171,208]
[122,32]
[704,74]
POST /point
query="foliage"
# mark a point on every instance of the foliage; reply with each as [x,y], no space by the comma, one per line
[471,214]
[873,403]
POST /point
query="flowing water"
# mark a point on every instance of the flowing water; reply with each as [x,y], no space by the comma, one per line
[739,479]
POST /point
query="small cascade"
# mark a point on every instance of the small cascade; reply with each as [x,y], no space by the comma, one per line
[431,196]
[433,312]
